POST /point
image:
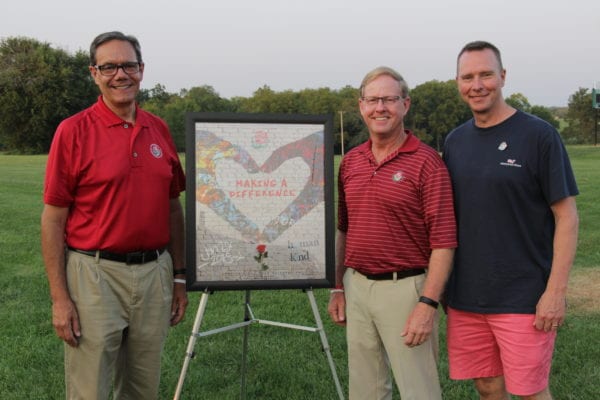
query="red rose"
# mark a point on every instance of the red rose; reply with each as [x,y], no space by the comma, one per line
[261,248]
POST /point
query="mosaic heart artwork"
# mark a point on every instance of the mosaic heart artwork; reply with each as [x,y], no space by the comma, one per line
[259,201]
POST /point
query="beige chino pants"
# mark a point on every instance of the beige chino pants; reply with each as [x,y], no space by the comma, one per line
[376,312]
[124,312]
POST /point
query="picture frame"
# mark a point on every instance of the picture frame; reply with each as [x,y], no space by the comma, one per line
[259,201]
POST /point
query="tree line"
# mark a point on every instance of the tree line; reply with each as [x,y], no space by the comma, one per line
[41,85]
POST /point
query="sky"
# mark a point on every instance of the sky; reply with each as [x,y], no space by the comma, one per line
[549,48]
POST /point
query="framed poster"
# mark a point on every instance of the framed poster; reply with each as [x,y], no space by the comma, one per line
[259,202]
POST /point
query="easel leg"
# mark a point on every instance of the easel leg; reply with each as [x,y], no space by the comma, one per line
[247,317]
[192,342]
[324,342]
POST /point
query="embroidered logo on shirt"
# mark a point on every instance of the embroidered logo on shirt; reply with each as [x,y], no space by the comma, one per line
[502,146]
[511,163]
[156,150]
[398,176]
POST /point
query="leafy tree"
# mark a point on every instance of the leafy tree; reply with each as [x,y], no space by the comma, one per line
[546,114]
[263,100]
[559,112]
[173,108]
[39,87]
[355,131]
[436,109]
[311,101]
[158,94]
[580,118]
[343,105]
[156,99]
[318,101]
[518,101]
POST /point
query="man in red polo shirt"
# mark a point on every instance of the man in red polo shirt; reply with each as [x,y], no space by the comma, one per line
[112,233]
[395,243]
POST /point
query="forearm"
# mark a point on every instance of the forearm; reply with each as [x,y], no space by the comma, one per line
[550,309]
[340,251]
[53,251]
[337,301]
[564,245]
[177,250]
[177,243]
[420,323]
[440,266]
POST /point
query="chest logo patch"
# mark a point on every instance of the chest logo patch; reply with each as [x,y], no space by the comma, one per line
[156,151]
[398,176]
[511,162]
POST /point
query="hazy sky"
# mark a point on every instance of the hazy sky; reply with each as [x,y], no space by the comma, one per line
[550,48]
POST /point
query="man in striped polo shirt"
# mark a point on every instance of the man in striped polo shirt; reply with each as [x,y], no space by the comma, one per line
[395,243]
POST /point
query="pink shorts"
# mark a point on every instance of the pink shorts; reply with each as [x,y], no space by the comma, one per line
[488,345]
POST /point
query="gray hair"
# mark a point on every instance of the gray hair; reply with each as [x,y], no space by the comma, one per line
[114,35]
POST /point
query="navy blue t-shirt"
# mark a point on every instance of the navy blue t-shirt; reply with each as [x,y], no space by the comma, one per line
[504,179]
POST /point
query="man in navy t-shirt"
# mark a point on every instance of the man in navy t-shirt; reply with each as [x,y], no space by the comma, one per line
[517,234]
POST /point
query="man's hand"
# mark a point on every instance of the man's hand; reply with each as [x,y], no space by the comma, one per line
[66,322]
[550,312]
[179,304]
[419,325]
[337,308]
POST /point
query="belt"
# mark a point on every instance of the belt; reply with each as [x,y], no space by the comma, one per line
[396,275]
[135,257]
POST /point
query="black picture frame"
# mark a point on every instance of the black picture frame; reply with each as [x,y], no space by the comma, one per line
[257,180]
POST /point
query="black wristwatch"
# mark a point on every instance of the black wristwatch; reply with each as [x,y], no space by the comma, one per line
[429,302]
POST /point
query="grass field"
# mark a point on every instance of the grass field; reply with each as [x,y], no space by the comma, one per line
[282,363]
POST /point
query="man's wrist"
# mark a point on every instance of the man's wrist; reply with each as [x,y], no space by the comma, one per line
[338,289]
[429,302]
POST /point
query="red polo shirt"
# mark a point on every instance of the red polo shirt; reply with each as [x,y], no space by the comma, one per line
[395,212]
[116,178]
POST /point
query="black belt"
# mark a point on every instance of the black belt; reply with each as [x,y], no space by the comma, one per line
[135,257]
[399,274]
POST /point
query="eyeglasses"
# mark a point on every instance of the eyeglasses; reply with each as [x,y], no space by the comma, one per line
[387,100]
[112,69]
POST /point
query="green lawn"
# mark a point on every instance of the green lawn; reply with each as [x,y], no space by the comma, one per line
[282,363]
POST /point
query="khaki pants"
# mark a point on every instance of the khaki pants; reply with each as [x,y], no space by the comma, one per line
[376,312]
[124,313]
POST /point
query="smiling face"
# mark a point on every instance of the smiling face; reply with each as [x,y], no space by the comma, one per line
[480,79]
[384,120]
[118,91]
